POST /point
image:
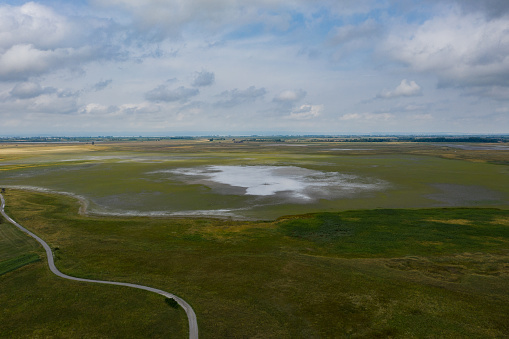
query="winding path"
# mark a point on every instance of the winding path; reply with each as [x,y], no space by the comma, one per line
[191,316]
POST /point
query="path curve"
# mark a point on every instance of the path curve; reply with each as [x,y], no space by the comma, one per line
[191,316]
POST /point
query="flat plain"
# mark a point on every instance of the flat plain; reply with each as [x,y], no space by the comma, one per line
[411,241]
[259,180]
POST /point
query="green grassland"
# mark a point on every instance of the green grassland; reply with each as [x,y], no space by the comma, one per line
[407,273]
[408,261]
[14,243]
[9,265]
[119,177]
[37,304]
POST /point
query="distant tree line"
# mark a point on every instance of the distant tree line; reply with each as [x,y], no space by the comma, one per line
[278,138]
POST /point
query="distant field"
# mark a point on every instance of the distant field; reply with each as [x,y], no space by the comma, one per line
[365,273]
[180,178]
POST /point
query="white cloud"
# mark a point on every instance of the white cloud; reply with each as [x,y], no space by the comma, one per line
[95,109]
[52,104]
[164,93]
[499,93]
[305,112]
[350,116]
[413,107]
[422,117]
[28,90]
[462,50]
[290,96]
[350,33]
[203,79]
[125,110]
[367,116]
[404,89]
[236,97]
[35,40]
[23,61]
[33,24]
[102,85]
[169,18]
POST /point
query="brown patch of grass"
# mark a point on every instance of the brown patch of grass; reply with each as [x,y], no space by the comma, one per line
[500,221]
[228,229]
[452,221]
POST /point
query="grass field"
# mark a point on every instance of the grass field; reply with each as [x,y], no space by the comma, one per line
[35,303]
[363,273]
[14,243]
[141,178]
[384,245]
[9,265]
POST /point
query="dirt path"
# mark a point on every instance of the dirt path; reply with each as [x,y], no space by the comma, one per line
[191,316]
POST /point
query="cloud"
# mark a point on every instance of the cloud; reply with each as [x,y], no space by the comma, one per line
[35,40]
[164,93]
[165,19]
[492,8]
[367,116]
[23,61]
[498,93]
[422,117]
[462,50]
[99,110]
[50,104]
[283,46]
[305,112]
[290,96]
[353,42]
[237,97]
[404,89]
[349,33]
[96,109]
[287,105]
[204,79]
[101,85]
[28,90]
[193,108]
[33,24]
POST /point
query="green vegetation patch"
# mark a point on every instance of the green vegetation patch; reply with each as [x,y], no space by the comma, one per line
[321,228]
[172,303]
[135,178]
[37,304]
[14,243]
[393,232]
[15,263]
[364,273]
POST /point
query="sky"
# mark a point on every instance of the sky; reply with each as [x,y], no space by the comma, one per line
[242,67]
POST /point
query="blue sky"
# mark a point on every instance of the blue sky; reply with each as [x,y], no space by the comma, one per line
[130,67]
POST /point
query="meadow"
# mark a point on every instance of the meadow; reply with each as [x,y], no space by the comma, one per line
[405,260]
[223,179]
